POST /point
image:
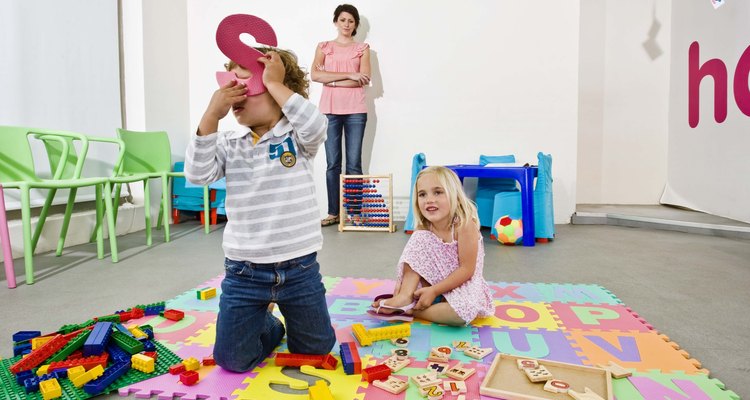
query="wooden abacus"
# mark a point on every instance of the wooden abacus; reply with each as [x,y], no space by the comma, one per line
[366,203]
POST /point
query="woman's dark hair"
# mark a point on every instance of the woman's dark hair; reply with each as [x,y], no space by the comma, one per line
[348,8]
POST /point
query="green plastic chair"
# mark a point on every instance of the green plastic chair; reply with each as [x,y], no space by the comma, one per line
[17,171]
[150,154]
[63,146]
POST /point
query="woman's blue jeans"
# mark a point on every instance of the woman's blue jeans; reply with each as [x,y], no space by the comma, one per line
[353,128]
[246,333]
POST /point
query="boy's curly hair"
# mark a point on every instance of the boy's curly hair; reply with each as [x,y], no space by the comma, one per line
[294,77]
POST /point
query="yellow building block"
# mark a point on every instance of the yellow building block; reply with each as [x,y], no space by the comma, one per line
[137,332]
[42,370]
[142,363]
[365,336]
[75,372]
[38,342]
[320,391]
[191,364]
[87,376]
[50,389]
[206,293]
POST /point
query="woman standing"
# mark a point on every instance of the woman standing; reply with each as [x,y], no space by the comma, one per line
[343,67]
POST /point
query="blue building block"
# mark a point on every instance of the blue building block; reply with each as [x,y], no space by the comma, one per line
[123,329]
[21,349]
[347,361]
[23,375]
[21,336]
[98,339]
[110,375]
[116,353]
[148,345]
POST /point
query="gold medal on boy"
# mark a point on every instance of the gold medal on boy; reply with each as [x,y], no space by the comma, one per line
[288,159]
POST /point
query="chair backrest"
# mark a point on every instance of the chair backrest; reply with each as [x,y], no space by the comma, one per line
[145,152]
[16,161]
[55,147]
[544,175]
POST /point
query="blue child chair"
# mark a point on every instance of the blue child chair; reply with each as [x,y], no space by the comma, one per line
[418,162]
[509,203]
[488,188]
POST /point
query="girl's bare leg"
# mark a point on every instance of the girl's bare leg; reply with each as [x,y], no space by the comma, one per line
[441,313]
[404,293]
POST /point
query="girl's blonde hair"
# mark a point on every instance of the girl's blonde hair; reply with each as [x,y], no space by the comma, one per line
[462,208]
[294,77]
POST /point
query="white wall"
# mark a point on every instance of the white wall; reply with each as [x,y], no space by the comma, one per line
[452,81]
[60,71]
[708,165]
[624,101]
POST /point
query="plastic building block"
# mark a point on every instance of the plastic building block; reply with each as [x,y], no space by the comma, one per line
[87,376]
[23,375]
[123,329]
[116,353]
[37,342]
[205,293]
[152,354]
[137,333]
[127,343]
[142,363]
[114,318]
[97,340]
[326,361]
[189,378]
[86,362]
[320,391]
[22,336]
[110,375]
[148,345]
[350,358]
[31,385]
[50,389]
[392,385]
[377,372]
[365,337]
[21,349]
[174,315]
[191,364]
[42,370]
[208,361]
[73,345]
[177,369]
[38,356]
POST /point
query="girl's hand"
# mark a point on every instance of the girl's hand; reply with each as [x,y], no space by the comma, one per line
[425,297]
[223,99]
[363,79]
[320,67]
[274,71]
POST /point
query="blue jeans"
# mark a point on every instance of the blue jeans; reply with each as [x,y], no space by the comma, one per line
[353,127]
[246,333]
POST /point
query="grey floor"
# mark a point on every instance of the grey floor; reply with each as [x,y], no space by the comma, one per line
[692,287]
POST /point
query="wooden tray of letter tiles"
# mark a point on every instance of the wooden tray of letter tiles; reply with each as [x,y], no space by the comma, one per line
[504,380]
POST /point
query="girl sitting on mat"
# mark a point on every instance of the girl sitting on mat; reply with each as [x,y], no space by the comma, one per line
[440,271]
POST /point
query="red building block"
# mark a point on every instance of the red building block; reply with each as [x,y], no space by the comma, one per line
[174,315]
[38,356]
[151,354]
[189,378]
[329,362]
[177,369]
[209,360]
[377,373]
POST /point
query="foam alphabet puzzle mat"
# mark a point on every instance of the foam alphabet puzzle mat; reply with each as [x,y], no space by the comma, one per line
[571,323]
